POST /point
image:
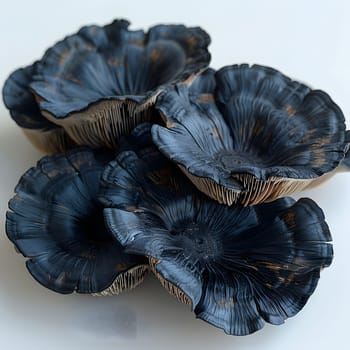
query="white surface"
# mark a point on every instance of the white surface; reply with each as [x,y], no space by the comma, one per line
[307,40]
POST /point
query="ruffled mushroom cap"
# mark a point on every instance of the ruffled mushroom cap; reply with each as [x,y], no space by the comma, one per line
[101,82]
[56,221]
[258,137]
[343,167]
[43,134]
[238,267]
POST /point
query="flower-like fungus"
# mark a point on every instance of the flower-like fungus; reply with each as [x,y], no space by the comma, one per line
[56,221]
[238,267]
[101,82]
[43,134]
[257,137]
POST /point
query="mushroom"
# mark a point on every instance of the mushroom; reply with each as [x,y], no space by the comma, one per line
[101,82]
[237,267]
[256,137]
[56,221]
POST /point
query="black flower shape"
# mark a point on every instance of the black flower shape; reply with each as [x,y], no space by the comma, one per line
[45,135]
[100,83]
[57,222]
[237,267]
[257,137]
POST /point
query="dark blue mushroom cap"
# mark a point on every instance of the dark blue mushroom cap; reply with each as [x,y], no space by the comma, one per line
[56,221]
[21,102]
[238,267]
[108,77]
[254,138]
[25,111]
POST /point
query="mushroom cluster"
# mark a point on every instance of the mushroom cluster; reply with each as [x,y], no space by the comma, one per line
[156,162]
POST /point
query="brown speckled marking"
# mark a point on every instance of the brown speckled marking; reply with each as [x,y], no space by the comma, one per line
[116,61]
[173,290]
[290,278]
[270,266]
[64,56]
[72,78]
[309,135]
[291,110]
[277,269]
[54,172]
[226,303]
[325,140]
[191,42]
[318,152]
[290,218]
[267,140]
[137,42]
[216,132]
[93,31]
[154,55]
[295,266]
[78,163]
[170,124]
[205,98]
[134,209]
[319,158]
[258,129]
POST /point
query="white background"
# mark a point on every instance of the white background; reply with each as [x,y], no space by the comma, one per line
[307,40]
